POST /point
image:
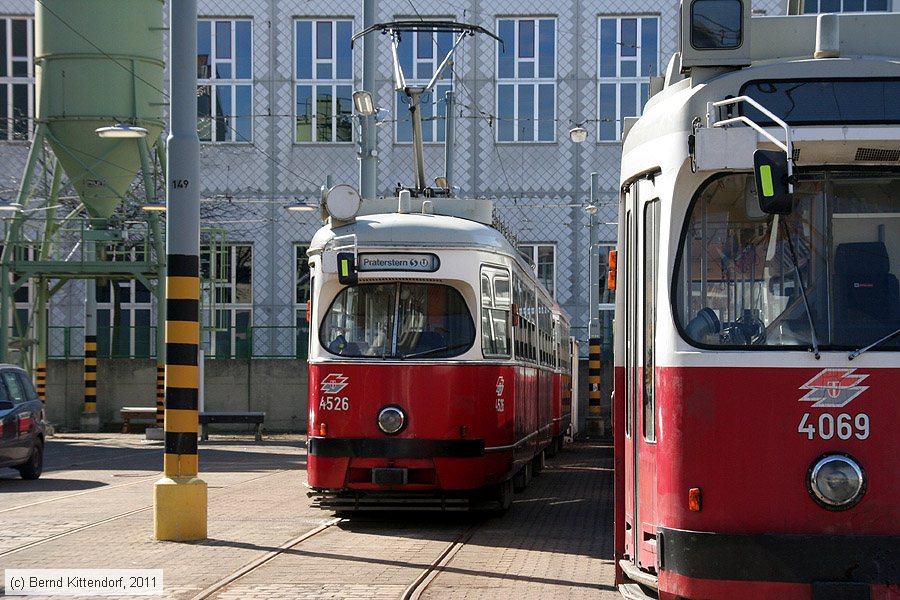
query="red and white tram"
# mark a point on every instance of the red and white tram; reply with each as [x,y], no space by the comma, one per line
[757,341]
[439,368]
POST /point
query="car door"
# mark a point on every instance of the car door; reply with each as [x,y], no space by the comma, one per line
[19,421]
[8,426]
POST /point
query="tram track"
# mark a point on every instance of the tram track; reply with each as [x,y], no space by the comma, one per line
[115,517]
[418,587]
[256,564]
[225,587]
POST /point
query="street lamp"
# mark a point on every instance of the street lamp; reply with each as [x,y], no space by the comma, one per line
[578,134]
[302,207]
[121,131]
[362,102]
[158,206]
[8,206]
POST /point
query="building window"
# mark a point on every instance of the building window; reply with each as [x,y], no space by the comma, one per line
[543,259]
[526,80]
[835,6]
[226,273]
[420,54]
[16,78]
[323,81]
[124,329]
[225,80]
[301,298]
[628,55]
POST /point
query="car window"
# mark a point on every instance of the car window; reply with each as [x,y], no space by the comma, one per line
[30,392]
[14,387]
[4,395]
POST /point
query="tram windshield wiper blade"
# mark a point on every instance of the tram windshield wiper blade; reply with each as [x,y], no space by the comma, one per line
[795,262]
[889,336]
[433,350]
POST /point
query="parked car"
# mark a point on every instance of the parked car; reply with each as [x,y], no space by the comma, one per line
[21,423]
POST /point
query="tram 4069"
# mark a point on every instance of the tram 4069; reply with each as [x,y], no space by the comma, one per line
[757,330]
[439,367]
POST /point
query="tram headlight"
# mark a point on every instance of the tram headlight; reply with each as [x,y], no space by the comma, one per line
[836,481]
[391,419]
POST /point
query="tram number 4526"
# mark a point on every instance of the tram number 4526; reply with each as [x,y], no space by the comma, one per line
[334,403]
[844,426]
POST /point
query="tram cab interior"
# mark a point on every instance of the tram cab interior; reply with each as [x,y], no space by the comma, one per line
[830,266]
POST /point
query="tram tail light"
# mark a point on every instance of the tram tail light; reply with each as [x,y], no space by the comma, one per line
[308,310]
[323,429]
[694,502]
[611,272]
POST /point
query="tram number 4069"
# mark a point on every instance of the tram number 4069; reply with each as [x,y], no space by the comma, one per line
[844,426]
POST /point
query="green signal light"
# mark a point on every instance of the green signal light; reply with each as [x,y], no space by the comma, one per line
[765,176]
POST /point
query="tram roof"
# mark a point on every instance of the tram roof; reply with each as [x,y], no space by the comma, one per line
[397,230]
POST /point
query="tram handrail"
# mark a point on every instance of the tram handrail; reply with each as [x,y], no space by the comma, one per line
[787,146]
[343,242]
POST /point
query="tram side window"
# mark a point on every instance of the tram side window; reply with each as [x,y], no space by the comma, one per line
[526,328]
[495,307]
[651,274]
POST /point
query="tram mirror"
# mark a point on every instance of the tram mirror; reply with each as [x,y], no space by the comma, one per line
[347,268]
[770,169]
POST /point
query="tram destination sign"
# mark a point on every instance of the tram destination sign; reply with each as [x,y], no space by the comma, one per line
[426,263]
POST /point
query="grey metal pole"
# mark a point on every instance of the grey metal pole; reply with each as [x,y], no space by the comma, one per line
[415,112]
[180,497]
[594,417]
[594,263]
[449,140]
[368,162]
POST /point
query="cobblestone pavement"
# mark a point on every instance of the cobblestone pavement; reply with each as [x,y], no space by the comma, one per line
[93,509]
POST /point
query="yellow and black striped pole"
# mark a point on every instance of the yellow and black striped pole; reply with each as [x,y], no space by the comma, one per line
[90,419]
[180,497]
[594,416]
[90,372]
[40,381]
[160,395]
[182,383]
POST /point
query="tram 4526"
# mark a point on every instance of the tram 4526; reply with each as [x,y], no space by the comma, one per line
[439,367]
[757,330]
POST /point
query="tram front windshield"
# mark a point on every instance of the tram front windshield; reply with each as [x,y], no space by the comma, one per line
[749,279]
[398,320]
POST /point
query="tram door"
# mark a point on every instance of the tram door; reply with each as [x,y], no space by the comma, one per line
[642,263]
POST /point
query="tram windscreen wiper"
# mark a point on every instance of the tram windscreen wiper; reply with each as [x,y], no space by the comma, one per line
[795,262]
[433,350]
[886,338]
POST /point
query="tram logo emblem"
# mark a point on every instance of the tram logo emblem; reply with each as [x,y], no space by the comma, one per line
[500,385]
[334,383]
[833,388]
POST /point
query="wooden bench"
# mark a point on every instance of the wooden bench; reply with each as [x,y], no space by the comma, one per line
[254,418]
[135,413]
